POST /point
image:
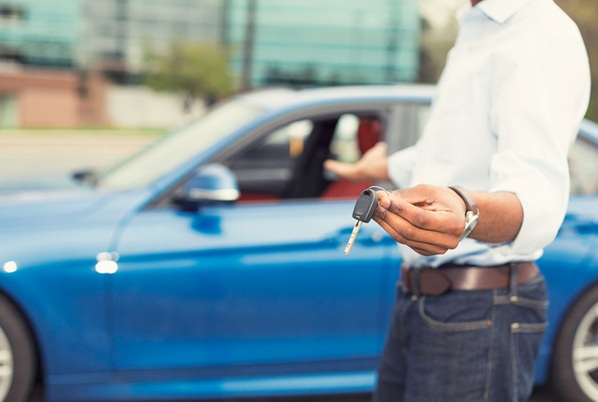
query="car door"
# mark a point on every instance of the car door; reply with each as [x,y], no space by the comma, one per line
[256,286]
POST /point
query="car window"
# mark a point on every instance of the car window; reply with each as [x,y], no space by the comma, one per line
[583,166]
[264,169]
[287,162]
[344,145]
[290,136]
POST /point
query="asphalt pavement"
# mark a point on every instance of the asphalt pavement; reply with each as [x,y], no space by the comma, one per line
[38,153]
[33,153]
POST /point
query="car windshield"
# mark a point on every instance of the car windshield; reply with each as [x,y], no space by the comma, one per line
[177,147]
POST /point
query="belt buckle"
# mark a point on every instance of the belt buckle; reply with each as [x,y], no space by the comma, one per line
[404,286]
[415,282]
[410,281]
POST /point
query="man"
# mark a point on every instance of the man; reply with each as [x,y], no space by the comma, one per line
[471,307]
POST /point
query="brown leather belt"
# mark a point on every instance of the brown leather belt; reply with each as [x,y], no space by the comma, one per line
[436,281]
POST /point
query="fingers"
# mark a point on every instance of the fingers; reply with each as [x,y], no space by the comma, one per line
[345,170]
[435,242]
[373,165]
[379,149]
[428,227]
[422,248]
[426,216]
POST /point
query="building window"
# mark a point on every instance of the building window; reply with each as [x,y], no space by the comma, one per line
[10,54]
[10,14]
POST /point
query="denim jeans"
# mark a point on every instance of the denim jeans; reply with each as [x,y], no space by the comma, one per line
[464,346]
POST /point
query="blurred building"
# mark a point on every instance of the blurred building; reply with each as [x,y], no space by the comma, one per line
[38,97]
[99,43]
[115,33]
[79,33]
[40,33]
[311,42]
[60,58]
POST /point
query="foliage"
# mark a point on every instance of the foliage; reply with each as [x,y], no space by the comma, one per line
[436,42]
[195,70]
[585,14]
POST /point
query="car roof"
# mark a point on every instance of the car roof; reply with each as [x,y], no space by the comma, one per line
[589,130]
[275,98]
[278,99]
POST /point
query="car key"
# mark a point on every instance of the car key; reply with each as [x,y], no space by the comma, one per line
[364,209]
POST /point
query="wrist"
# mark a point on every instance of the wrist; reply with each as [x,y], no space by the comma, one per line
[472,211]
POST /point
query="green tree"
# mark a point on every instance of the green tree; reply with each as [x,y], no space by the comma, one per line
[194,70]
[435,43]
[585,14]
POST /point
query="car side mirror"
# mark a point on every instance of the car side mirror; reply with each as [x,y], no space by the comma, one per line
[212,183]
[84,176]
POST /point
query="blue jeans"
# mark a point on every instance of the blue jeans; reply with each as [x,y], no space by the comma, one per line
[464,346]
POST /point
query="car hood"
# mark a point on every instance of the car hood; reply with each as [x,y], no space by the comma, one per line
[33,206]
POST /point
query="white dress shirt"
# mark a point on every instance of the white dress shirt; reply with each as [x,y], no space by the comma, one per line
[509,103]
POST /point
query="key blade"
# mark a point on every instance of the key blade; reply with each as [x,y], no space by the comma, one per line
[352,237]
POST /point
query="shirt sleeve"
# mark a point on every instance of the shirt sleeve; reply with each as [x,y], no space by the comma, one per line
[539,98]
[400,166]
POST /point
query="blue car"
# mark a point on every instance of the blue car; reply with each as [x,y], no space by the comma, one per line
[210,265]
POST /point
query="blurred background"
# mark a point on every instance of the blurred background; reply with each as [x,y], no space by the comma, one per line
[84,83]
[87,82]
[151,64]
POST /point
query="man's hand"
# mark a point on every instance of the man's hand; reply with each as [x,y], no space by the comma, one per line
[373,165]
[431,219]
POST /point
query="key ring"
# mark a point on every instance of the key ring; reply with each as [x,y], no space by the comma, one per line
[378,188]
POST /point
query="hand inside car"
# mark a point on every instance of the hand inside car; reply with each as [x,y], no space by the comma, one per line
[373,165]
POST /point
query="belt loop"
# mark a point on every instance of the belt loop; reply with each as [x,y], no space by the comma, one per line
[513,280]
[415,283]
